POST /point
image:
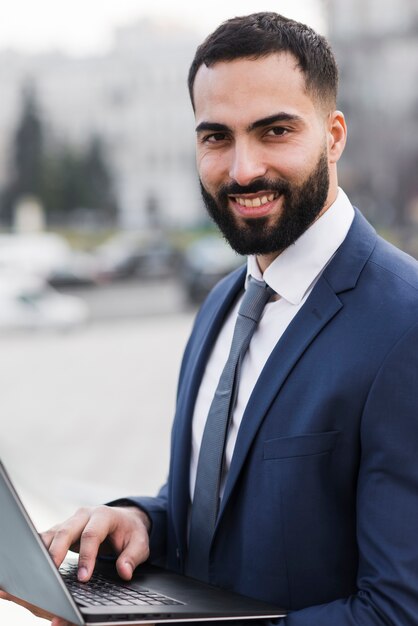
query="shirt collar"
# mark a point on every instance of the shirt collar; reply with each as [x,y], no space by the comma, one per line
[293,272]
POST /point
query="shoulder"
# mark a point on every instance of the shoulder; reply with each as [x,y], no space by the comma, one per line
[389,282]
[394,264]
[368,263]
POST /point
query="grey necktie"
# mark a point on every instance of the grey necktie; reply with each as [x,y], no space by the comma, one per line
[209,468]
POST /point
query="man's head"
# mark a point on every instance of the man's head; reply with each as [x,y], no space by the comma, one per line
[263,90]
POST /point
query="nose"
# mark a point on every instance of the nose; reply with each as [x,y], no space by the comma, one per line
[246,164]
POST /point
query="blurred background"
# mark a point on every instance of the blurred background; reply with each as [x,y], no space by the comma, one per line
[105,249]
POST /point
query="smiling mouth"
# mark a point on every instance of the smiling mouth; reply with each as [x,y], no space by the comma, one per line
[255,202]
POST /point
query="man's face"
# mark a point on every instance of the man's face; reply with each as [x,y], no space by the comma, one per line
[262,152]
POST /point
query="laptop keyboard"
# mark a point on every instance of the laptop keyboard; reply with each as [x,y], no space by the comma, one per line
[100,591]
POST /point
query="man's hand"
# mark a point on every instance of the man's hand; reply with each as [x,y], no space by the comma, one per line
[91,531]
[101,530]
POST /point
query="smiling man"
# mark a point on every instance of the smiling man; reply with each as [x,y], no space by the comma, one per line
[294,466]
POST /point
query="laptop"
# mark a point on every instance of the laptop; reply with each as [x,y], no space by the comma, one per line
[154,595]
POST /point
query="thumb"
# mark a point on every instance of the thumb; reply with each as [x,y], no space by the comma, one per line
[125,568]
[136,552]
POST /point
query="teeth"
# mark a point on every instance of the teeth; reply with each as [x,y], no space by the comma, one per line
[255,202]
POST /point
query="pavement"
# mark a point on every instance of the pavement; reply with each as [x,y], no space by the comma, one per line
[86,415]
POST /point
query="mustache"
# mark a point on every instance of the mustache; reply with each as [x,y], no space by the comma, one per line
[261,184]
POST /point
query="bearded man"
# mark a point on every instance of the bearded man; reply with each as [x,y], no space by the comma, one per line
[294,466]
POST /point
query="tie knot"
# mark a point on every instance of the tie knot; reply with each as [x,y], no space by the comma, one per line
[256,296]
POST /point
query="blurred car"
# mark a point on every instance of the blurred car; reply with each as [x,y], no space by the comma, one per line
[78,268]
[145,254]
[205,262]
[28,302]
[47,255]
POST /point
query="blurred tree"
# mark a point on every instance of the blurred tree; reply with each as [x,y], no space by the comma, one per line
[99,190]
[27,155]
[28,148]
[64,181]
[78,183]
[70,183]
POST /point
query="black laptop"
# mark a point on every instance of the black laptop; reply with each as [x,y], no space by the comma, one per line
[153,595]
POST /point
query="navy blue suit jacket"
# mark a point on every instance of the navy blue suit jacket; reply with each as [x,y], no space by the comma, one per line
[320,511]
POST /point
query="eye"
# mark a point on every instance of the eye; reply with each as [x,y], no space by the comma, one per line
[214,138]
[277,131]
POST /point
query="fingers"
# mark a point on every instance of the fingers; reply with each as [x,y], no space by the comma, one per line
[126,528]
[102,523]
[135,552]
[60,538]
[135,549]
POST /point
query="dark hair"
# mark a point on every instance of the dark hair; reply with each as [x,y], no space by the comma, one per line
[261,34]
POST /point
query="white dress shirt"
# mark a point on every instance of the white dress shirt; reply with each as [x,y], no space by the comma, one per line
[292,275]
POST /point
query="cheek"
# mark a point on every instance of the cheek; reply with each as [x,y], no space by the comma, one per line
[212,169]
[296,162]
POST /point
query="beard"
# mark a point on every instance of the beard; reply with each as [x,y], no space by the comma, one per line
[301,205]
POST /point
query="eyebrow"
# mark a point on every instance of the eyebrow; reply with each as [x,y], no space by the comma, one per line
[265,121]
[272,119]
[213,126]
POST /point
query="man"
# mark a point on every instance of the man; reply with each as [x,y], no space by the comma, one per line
[318,485]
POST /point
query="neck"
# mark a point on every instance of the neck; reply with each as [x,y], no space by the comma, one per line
[264,260]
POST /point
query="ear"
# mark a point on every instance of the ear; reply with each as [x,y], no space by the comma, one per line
[337,135]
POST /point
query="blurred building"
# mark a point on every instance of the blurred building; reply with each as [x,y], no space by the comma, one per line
[135,98]
[376,44]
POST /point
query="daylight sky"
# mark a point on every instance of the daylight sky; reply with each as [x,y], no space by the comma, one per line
[85,26]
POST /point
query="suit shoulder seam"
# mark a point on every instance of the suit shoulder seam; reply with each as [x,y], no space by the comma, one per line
[389,271]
